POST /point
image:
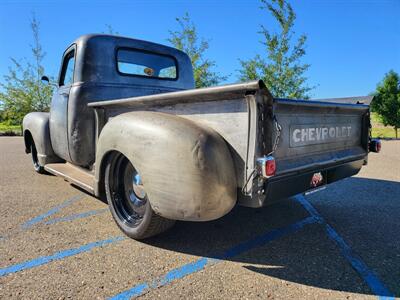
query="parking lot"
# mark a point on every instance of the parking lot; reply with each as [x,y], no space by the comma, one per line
[343,242]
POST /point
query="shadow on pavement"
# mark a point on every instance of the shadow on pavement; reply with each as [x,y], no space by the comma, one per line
[308,257]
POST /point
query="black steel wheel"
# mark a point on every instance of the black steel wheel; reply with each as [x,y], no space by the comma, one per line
[128,201]
[38,168]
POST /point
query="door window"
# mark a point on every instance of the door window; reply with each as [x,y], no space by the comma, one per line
[67,74]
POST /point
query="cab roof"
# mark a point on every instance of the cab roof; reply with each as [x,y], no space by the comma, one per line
[95,61]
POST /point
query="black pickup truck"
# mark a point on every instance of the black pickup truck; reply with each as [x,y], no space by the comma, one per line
[127,124]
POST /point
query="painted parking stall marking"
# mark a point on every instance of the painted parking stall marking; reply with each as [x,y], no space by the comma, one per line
[370,278]
[52,211]
[42,260]
[203,262]
[76,216]
[376,286]
[41,219]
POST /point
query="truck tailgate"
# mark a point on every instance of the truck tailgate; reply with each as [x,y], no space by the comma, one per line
[315,135]
[313,143]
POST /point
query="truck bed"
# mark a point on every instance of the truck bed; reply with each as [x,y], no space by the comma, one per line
[303,136]
[224,108]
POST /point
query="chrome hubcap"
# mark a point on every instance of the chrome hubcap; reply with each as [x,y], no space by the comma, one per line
[138,187]
[134,191]
[129,197]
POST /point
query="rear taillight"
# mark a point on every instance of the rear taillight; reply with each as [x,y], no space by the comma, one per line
[266,166]
[375,145]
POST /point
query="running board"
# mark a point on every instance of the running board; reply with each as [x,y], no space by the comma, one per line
[78,176]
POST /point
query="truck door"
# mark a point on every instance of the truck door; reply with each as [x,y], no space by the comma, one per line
[59,106]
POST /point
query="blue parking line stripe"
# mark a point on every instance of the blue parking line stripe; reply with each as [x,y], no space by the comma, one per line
[203,262]
[133,292]
[76,216]
[267,237]
[52,211]
[183,271]
[57,256]
[376,286]
[308,207]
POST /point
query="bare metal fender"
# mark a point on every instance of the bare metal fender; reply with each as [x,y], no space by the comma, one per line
[36,125]
[186,168]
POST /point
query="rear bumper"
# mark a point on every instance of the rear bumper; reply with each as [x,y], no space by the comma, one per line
[284,186]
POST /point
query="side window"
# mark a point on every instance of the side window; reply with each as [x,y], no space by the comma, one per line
[67,73]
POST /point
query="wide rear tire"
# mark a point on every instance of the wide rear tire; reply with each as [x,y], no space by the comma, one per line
[128,201]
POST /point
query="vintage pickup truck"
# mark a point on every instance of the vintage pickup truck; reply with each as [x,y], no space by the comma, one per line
[127,125]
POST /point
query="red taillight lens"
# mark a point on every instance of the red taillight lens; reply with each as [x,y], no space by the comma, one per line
[270,167]
[266,166]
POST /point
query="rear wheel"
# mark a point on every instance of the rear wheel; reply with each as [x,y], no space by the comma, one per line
[38,168]
[128,200]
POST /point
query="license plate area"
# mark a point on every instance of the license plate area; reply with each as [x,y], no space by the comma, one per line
[317,179]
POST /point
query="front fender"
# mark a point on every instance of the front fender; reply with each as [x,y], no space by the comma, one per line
[36,124]
[186,168]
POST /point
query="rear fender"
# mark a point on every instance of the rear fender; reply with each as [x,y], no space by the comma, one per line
[186,168]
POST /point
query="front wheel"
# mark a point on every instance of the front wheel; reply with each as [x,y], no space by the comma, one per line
[128,201]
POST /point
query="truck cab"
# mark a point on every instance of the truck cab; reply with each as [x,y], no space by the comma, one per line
[126,124]
[104,67]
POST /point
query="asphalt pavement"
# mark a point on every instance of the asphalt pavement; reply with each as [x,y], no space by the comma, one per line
[57,242]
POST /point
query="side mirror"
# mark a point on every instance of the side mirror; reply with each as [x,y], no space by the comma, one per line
[46,79]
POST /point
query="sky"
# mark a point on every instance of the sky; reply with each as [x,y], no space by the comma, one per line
[351,43]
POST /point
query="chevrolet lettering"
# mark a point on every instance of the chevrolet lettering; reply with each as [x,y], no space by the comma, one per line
[323,133]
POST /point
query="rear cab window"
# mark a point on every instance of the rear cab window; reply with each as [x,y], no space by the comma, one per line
[146,64]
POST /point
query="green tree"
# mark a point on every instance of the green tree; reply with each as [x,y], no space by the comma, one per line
[280,67]
[187,40]
[22,90]
[387,100]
